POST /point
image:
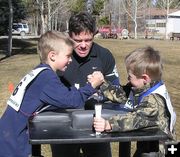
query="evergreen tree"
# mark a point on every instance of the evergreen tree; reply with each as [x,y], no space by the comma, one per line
[19,13]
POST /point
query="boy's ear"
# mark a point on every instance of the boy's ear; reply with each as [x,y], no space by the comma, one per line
[52,55]
[146,78]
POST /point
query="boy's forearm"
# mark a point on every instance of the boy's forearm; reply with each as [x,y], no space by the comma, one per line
[113,92]
[143,117]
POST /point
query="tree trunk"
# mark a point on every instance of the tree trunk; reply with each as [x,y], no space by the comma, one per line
[49,16]
[10,28]
[42,17]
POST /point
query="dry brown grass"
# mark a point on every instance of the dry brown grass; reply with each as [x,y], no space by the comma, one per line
[14,68]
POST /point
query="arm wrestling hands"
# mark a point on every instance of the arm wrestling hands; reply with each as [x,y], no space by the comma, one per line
[96,79]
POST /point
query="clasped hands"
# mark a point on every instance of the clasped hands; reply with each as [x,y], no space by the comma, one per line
[96,79]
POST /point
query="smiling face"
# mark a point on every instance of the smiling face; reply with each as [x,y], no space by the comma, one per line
[63,58]
[60,58]
[143,66]
[138,81]
[135,81]
[82,43]
[55,49]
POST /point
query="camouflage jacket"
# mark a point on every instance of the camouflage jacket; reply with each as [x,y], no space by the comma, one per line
[151,112]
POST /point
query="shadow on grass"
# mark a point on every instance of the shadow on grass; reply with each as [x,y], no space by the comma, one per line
[19,46]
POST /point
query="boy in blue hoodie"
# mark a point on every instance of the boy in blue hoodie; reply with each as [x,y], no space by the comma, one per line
[39,88]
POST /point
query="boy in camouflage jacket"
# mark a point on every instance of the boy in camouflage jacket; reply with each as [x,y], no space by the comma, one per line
[148,100]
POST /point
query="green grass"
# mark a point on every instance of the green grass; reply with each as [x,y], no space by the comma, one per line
[24,58]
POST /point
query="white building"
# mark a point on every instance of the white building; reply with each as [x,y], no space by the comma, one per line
[173,23]
[158,24]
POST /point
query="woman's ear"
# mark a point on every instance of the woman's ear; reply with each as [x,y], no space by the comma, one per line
[146,78]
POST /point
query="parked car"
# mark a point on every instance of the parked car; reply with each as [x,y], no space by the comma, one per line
[20,29]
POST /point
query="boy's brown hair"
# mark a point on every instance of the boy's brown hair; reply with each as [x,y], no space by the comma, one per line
[52,41]
[145,61]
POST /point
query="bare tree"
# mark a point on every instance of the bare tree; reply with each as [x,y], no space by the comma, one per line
[132,7]
[59,11]
[52,13]
[40,4]
[10,28]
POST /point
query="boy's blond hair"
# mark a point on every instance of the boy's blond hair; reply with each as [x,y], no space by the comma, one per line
[52,41]
[145,61]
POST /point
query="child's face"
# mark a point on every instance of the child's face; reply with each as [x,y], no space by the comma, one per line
[63,58]
[137,82]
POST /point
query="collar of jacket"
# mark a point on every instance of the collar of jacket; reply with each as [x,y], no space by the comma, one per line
[146,87]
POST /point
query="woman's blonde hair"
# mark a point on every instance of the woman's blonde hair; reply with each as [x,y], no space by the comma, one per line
[145,61]
[52,41]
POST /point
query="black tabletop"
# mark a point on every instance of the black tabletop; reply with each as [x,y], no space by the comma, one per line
[63,133]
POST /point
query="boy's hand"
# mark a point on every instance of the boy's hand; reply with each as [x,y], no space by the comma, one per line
[96,79]
[100,124]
